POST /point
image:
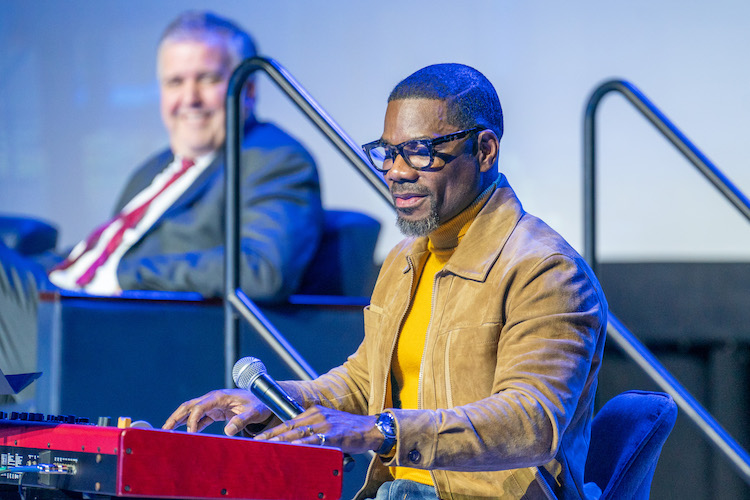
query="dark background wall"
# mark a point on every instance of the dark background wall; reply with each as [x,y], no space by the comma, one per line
[695,318]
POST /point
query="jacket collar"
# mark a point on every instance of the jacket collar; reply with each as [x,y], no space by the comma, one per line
[485,238]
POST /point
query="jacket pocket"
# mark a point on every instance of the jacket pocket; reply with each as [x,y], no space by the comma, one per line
[470,363]
[373,317]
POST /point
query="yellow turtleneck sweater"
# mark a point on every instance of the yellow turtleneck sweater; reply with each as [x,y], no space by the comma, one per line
[407,360]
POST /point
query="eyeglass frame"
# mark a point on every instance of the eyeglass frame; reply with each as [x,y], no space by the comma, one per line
[429,143]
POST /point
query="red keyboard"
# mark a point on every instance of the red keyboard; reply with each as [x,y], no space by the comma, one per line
[163,464]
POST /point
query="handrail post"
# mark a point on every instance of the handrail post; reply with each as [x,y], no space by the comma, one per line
[589,185]
[233,149]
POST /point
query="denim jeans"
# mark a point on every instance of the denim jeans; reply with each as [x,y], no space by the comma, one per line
[403,489]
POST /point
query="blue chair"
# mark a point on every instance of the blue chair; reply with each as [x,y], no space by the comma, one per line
[26,235]
[627,435]
[344,263]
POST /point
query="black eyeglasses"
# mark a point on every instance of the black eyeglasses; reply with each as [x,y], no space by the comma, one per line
[419,153]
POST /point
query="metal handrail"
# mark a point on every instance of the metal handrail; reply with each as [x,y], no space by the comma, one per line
[714,432]
[663,125]
[236,303]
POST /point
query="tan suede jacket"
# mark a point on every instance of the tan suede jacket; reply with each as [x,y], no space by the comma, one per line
[509,368]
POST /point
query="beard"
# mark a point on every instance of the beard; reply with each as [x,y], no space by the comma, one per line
[419,227]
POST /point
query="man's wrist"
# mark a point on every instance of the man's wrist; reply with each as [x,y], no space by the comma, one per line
[386,424]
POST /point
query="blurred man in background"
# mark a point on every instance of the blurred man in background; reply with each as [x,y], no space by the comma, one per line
[168,229]
[167,232]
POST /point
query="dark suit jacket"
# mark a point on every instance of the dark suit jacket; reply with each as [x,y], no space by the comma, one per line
[281,223]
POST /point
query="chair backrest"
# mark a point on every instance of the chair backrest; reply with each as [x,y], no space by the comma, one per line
[627,435]
[344,263]
[26,235]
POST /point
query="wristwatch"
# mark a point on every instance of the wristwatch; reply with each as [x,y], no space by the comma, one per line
[387,426]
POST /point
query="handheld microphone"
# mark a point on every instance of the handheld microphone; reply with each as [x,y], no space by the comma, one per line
[250,373]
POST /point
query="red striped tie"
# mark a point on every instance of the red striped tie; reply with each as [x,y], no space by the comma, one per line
[129,220]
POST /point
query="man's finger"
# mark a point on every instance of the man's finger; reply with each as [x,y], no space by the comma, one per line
[176,419]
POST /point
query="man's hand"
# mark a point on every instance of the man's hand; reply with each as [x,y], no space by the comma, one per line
[351,433]
[237,406]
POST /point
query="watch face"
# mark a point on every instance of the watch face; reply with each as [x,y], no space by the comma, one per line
[385,420]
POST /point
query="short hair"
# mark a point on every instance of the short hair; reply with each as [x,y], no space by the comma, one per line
[470,97]
[205,26]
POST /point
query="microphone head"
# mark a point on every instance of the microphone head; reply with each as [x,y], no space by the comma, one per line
[246,370]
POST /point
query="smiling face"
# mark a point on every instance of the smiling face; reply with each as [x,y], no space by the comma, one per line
[193,78]
[426,199]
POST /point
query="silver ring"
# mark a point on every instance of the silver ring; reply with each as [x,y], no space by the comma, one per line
[310,430]
[321,438]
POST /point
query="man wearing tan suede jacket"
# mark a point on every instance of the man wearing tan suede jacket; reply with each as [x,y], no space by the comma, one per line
[484,334]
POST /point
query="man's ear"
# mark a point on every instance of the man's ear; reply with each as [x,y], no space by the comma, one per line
[488,146]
